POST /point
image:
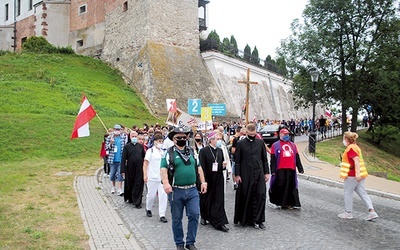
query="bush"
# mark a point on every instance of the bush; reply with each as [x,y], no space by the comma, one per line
[39,44]
[386,133]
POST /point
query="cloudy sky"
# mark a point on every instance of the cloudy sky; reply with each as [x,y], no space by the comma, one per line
[261,23]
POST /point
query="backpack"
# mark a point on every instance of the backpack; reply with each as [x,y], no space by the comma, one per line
[171,167]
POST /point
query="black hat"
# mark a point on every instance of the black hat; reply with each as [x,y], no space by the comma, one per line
[178,130]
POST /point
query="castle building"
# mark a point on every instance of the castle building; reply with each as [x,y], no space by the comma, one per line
[80,24]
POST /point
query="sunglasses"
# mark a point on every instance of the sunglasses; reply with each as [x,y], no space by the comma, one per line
[180,138]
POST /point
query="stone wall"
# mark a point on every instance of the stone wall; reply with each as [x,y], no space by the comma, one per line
[155,44]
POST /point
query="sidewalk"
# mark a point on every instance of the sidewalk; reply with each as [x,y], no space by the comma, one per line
[328,174]
[102,223]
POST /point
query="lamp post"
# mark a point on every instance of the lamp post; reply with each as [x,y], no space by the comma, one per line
[313,134]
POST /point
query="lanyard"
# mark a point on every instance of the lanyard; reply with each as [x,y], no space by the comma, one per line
[215,156]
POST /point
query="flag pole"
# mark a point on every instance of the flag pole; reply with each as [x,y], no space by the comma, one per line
[102,122]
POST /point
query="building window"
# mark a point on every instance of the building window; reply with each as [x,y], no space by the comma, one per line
[79,43]
[30,5]
[18,7]
[82,9]
[125,6]
[6,14]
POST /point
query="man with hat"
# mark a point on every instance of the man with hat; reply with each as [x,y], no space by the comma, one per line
[115,142]
[212,203]
[285,158]
[182,192]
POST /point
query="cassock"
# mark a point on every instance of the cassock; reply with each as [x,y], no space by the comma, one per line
[251,164]
[132,166]
[212,203]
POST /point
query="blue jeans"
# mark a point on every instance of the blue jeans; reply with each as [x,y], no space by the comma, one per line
[115,171]
[180,198]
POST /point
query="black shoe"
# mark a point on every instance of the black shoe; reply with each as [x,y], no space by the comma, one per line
[163,219]
[191,247]
[224,226]
[235,186]
[203,222]
[148,213]
[180,248]
[138,206]
[222,229]
[262,226]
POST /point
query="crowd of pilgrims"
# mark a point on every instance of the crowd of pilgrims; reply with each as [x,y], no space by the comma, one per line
[150,137]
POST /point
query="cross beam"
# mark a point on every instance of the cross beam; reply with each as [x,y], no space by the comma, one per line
[247,82]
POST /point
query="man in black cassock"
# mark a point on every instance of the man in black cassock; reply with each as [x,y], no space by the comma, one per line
[251,174]
[132,170]
[212,203]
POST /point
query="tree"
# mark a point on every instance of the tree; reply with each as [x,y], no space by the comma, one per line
[213,39]
[247,53]
[226,46]
[254,56]
[235,49]
[343,40]
[281,64]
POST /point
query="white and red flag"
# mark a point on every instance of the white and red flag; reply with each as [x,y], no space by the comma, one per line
[171,105]
[328,113]
[86,113]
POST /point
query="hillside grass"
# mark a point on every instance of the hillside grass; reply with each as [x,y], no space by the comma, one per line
[40,99]
[377,159]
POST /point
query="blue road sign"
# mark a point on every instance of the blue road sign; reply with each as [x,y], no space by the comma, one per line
[218,109]
[194,106]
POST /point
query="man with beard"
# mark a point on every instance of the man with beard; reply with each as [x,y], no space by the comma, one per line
[251,174]
[132,170]
[212,203]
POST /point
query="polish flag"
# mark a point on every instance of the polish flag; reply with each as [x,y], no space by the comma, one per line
[171,105]
[86,113]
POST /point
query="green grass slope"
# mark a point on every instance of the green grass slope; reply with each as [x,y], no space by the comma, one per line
[40,99]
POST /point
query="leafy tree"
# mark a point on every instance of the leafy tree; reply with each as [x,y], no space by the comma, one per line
[226,46]
[254,56]
[235,49]
[343,40]
[281,64]
[247,53]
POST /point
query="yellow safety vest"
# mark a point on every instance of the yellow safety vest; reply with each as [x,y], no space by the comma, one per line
[345,164]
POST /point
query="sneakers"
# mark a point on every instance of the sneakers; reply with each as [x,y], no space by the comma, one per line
[371,216]
[120,192]
[148,213]
[112,190]
[345,215]
[163,219]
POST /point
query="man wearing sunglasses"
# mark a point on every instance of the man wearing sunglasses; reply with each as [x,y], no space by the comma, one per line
[182,192]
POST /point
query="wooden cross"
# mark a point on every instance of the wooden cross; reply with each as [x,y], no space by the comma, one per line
[247,82]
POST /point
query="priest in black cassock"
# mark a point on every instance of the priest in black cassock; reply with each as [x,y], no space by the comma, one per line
[251,175]
[212,203]
[132,170]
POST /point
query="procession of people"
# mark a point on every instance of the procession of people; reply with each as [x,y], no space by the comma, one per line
[191,169]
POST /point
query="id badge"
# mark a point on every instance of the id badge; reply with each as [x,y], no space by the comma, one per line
[115,149]
[215,167]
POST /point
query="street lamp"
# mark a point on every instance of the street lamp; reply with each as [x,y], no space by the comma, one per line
[313,135]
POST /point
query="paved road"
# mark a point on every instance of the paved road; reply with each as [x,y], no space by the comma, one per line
[314,226]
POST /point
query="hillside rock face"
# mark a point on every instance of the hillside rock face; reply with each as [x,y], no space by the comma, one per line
[155,44]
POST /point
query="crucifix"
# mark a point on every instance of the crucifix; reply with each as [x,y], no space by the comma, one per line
[247,82]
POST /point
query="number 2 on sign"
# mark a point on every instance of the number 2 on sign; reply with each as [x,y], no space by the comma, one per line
[195,107]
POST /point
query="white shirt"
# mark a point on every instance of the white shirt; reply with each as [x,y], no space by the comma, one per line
[154,156]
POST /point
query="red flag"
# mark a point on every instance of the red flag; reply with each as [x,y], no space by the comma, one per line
[328,113]
[86,113]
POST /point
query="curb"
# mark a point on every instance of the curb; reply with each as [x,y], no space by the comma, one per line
[332,183]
